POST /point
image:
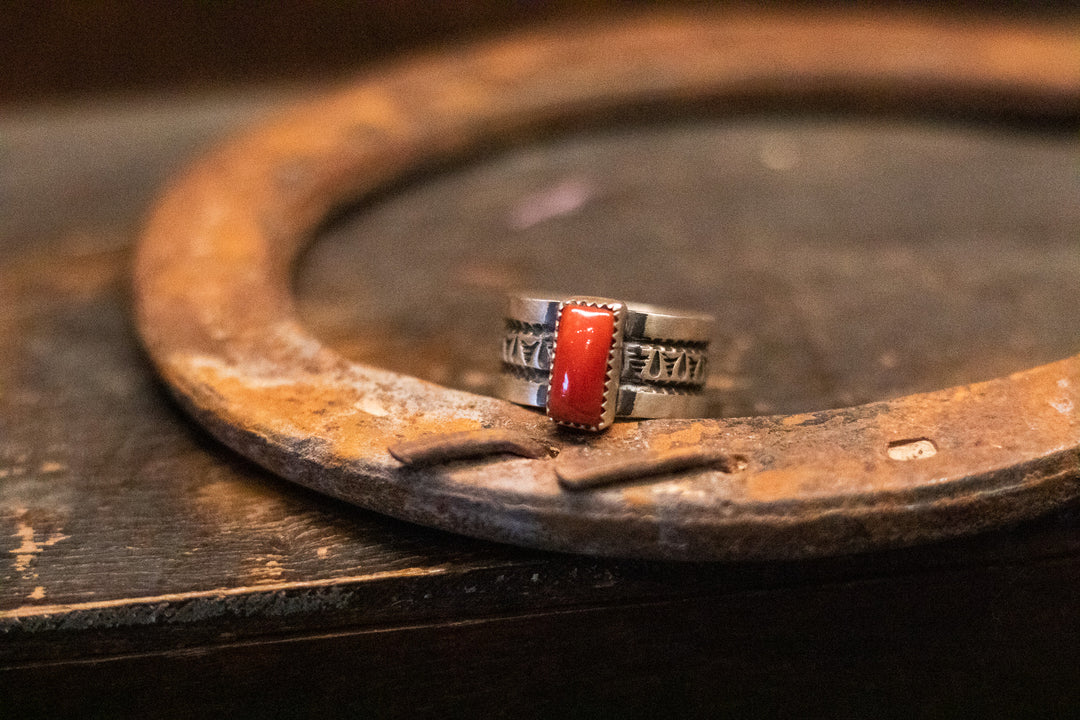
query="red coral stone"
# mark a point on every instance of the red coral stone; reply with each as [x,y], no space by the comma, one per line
[579,370]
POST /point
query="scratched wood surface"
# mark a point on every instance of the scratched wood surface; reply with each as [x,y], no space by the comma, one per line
[847,259]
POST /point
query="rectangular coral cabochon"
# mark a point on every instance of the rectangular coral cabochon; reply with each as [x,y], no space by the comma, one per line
[579,370]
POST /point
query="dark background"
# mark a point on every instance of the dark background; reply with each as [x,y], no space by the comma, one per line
[55,50]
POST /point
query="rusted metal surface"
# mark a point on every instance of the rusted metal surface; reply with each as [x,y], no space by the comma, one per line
[592,472]
[445,447]
[216,315]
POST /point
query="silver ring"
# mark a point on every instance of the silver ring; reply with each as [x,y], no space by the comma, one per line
[588,360]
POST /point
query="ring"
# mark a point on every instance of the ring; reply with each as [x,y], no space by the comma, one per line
[588,360]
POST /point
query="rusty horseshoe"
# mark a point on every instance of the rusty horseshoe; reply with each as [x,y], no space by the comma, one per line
[215,310]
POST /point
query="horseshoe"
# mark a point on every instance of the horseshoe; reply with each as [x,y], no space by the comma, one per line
[215,311]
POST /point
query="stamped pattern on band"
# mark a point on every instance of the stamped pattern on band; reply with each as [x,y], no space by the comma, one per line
[529,350]
[524,348]
[664,364]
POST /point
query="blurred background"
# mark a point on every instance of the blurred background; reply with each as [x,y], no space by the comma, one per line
[59,50]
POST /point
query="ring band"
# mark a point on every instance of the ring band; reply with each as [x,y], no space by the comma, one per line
[588,360]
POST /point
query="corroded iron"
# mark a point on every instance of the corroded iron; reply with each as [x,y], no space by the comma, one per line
[444,447]
[214,307]
[592,472]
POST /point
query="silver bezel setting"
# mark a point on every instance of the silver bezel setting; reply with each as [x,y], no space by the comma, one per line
[614,362]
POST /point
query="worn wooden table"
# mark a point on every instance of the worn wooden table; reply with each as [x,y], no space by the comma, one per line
[147,569]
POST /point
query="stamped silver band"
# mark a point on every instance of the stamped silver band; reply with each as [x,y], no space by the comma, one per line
[642,321]
[663,357]
[634,401]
